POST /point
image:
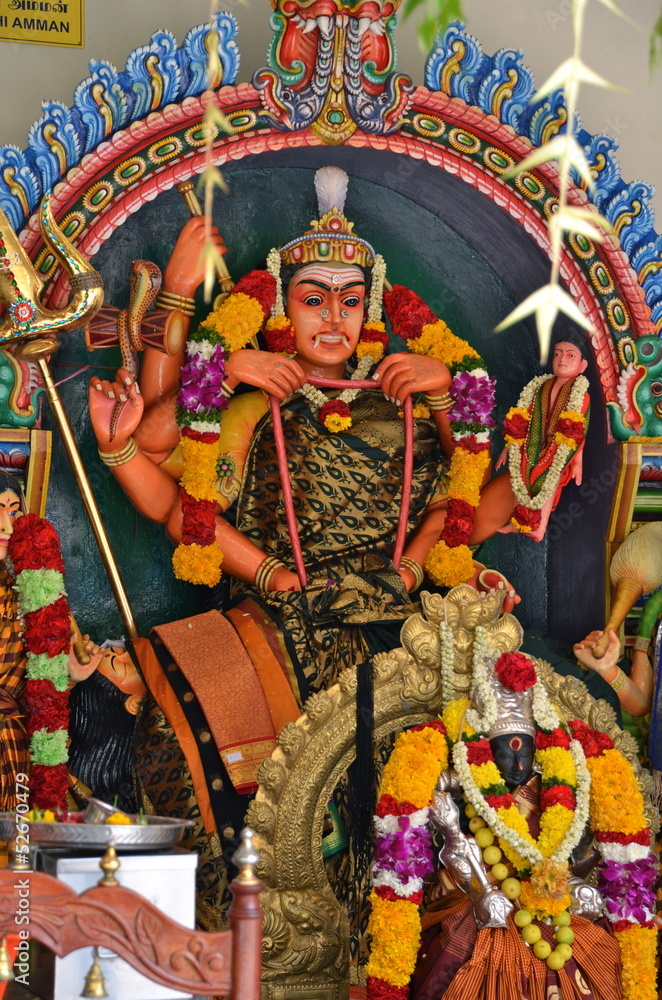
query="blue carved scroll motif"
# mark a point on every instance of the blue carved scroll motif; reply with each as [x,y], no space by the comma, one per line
[156,74]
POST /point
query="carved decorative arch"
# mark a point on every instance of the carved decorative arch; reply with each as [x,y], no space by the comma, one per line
[132,135]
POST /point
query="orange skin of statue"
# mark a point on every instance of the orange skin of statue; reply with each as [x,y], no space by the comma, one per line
[327,320]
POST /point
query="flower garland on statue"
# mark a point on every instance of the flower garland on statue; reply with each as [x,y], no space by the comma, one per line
[541,864]
[200,404]
[582,774]
[569,435]
[450,562]
[34,550]
[629,874]
[403,857]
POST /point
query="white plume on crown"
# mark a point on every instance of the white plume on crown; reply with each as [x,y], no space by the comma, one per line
[331,188]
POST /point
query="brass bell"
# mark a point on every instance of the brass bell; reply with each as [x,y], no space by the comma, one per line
[95,986]
[6,970]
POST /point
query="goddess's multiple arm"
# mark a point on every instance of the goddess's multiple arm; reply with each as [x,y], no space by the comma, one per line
[635,692]
[148,418]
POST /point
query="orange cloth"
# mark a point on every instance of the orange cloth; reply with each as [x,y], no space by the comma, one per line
[213,660]
[167,700]
[278,693]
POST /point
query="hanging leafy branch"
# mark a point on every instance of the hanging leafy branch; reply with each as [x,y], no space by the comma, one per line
[211,177]
[655,45]
[550,300]
[439,15]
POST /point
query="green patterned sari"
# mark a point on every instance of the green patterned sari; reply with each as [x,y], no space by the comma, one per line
[346,491]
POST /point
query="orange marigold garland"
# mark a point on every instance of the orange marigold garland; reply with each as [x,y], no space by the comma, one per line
[630,868]
[403,857]
[450,562]
[200,403]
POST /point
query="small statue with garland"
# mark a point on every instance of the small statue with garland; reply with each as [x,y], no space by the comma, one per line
[550,803]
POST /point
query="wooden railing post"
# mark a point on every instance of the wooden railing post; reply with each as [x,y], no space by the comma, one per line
[245,918]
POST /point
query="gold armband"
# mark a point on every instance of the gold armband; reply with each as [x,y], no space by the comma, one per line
[415,568]
[265,571]
[619,681]
[642,643]
[121,457]
[443,402]
[170,301]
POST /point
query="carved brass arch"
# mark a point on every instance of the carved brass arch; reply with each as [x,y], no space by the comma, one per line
[305,945]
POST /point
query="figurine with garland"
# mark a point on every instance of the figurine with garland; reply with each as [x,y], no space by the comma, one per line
[547,868]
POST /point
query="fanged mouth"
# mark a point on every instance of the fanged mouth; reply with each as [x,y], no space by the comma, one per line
[626,392]
[332,339]
[326,25]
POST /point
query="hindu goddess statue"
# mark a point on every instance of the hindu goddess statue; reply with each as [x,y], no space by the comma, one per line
[529,804]
[320,305]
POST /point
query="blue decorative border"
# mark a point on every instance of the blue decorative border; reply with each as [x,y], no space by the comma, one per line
[501,85]
[156,74]
[161,73]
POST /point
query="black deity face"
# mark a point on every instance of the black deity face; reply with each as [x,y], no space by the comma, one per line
[513,753]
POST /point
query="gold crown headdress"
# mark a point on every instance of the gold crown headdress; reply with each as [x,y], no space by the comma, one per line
[330,240]
[331,237]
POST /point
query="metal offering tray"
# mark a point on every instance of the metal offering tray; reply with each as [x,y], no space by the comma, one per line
[162,832]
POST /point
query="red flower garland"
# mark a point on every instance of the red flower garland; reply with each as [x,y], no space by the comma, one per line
[459,523]
[573,429]
[281,340]
[516,427]
[407,312]
[198,520]
[500,801]
[593,743]
[558,795]
[34,545]
[557,738]
[261,286]
[479,751]
[47,630]
[388,805]
[333,406]
[527,518]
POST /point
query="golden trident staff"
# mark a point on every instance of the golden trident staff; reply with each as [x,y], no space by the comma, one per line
[34,328]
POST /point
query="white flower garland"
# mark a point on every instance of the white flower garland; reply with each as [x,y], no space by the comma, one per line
[582,797]
[447,664]
[563,451]
[544,712]
[484,722]
[624,853]
[383,876]
[317,398]
[391,824]
[273,267]
[375,303]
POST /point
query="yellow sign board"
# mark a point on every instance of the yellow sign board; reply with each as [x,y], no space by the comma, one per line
[43,22]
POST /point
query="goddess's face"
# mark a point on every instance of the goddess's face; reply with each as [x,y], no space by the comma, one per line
[567,361]
[325,304]
[10,509]
[513,753]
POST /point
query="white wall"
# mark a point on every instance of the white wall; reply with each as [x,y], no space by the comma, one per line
[540,27]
